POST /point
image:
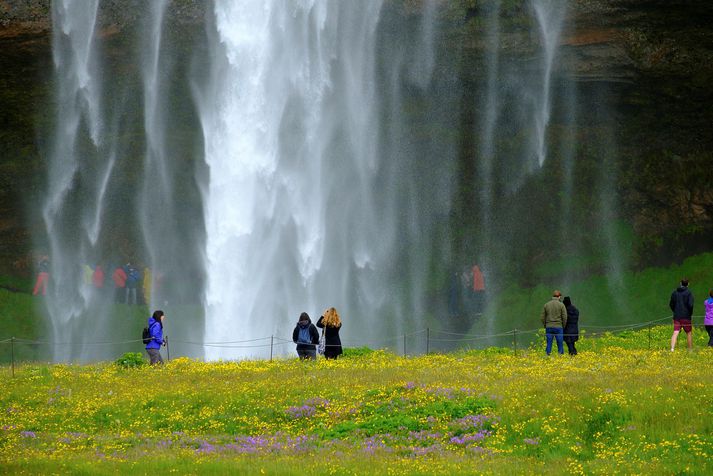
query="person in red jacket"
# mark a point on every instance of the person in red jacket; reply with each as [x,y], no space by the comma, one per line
[98,277]
[119,278]
[43,276]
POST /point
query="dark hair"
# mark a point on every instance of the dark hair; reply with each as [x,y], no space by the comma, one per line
[710,293]
[157,315]
[684,282]
[304,317]
[567,301]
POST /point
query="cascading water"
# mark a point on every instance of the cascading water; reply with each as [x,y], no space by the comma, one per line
[71,230]
[334,154]
[95,211]
[550,15]
[293,211]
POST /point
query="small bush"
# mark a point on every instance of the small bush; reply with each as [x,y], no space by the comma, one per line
[130,360]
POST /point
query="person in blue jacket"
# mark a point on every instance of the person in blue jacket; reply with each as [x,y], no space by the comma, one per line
[133,278]
[156,332]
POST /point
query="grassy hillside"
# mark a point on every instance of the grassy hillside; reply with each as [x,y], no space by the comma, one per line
[615,408]
[636,297]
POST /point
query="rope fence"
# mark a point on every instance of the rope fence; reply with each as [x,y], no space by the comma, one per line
[432,336]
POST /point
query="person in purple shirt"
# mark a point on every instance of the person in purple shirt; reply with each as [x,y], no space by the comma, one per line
[156,331]
[709,317]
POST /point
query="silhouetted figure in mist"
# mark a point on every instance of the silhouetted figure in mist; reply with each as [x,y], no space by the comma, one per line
[43,276]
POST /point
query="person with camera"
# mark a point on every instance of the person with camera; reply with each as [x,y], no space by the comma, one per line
[153,347]
[331,324]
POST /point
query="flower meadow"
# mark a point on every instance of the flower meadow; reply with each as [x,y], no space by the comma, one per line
[612,409]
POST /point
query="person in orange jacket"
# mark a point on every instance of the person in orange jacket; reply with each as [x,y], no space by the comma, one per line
[43,276]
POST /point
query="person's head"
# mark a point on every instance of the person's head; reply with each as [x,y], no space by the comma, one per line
[684,282]
[158,316]
[710,293]
[556,294]
[567,301]
[331,318]
[304,319]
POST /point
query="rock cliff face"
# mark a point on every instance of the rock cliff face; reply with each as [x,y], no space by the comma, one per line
[654,58]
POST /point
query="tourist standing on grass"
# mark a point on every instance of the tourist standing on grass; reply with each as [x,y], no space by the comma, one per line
[554,318]
[331,324]
[571,329]
[306,336]
[43,276]
[133,277]
[709,317]
[119,278]
[156,332]
[681,303]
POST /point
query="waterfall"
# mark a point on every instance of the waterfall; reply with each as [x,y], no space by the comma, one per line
[550,15]
[79,122]
[289,156]
[291,123]
[103,206]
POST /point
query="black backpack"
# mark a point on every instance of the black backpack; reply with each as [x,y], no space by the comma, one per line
[146,335]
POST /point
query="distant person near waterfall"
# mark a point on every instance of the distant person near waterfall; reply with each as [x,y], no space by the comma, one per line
[119,278]
[306,336]
[43,276]
[709,317]
[571,329]
[554,318]
[331,324]
[681,304]
[133,278]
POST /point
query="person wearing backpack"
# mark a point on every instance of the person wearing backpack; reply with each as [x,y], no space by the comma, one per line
[306,337]
[155,337]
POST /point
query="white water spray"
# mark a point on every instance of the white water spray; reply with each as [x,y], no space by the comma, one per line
[550,15]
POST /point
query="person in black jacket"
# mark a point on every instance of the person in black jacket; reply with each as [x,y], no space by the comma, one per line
[571,330]
[306,336]
[681,304]
[331,324]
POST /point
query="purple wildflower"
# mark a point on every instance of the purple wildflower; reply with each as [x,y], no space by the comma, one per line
[304,411]
[471,438]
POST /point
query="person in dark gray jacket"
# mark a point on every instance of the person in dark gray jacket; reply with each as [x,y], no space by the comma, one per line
[681,304]
[571,329]
[306,337]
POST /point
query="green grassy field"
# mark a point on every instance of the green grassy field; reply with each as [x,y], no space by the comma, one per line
[616,408]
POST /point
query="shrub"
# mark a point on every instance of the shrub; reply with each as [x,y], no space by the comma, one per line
[130,360]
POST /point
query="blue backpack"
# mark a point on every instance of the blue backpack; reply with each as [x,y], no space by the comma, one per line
[304,337]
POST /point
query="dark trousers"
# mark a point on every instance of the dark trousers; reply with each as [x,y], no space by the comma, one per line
[570,346]
[154,356]
[709,329]
[307,354]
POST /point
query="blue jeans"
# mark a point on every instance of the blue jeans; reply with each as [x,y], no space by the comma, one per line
[554,333]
